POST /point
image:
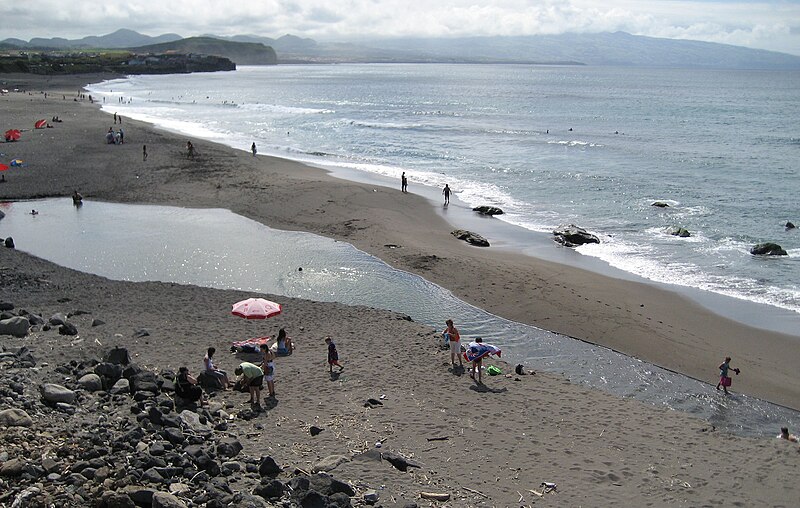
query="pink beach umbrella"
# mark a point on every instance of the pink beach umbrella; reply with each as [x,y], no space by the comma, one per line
[256,308]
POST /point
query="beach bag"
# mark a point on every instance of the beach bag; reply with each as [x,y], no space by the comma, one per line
[726,381]
[493,371]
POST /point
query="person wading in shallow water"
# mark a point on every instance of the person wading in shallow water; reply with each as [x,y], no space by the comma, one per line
[446,192]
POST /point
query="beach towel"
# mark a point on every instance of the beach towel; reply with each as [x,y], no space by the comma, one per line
[250,345]
[477,350]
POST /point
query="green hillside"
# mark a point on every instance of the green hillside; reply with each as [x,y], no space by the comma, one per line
[241,53]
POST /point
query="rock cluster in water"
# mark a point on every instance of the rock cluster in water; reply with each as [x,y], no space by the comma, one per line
[571,235]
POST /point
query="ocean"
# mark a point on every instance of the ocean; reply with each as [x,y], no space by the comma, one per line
[550,145]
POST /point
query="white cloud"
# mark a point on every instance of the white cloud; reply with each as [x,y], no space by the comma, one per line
[769,24]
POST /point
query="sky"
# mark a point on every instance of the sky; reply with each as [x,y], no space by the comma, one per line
[765,24]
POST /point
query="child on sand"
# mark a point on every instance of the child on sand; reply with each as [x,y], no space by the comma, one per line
[268,367]
[724,379]
[333,355]
[454,340]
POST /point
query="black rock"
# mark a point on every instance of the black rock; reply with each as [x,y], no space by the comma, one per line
[313,499]
[681,232]
[97,322]
[142,332]
[470,237]
[789,225]
[9,242]
[229,447]
[326,484]
[174,436]
[571,235]
[488,210]
[314,430]
[768,249]
[68,329]
[118,356]
[270,489]
[660,204]
[268,467]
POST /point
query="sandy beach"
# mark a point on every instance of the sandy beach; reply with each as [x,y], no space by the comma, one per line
[502,439]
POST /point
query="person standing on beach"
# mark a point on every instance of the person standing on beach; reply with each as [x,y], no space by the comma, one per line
[403,183]
[333,355]
[446,192]
[454,340]
[115,117]
[253,149]
[724,379]
[253,378]
[268,367]
[144,153]
[189,150]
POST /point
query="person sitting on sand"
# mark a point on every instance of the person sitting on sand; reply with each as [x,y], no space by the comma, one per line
[186,386]
[785,435]
[253,378]
[285,346]
[211,370]
[454,340]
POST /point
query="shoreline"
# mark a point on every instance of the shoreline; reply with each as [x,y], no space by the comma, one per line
[638,319]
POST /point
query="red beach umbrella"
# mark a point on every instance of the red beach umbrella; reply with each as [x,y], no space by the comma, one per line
[13,134]
[256,308]
[3,167]
[40,124]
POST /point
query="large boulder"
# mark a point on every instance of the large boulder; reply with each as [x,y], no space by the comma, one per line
[118,356]
[15,418]
[9,242]
[91,382]
[166,500]
[488,210]
[470,237]
[52,392]
[768,249]
[571,235]
[209,382]
[17,326]
[679,231]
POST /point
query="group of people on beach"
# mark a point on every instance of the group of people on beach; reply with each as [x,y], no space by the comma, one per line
[251,376]
[115,138]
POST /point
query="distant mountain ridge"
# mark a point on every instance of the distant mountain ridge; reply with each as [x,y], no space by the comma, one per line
[121,39]
[608,49]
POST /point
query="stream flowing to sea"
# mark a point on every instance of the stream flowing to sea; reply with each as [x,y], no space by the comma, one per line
[219,249]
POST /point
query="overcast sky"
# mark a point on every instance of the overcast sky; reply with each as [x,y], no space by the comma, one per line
[767,24]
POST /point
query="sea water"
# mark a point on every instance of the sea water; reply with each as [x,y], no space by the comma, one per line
[550,145]
[217,248]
